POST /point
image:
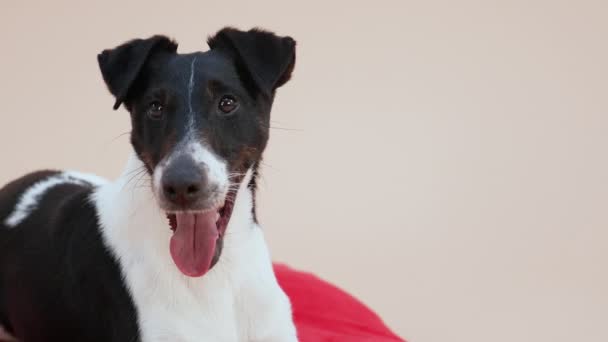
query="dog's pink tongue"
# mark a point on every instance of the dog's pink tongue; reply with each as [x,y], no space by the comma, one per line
[193,242]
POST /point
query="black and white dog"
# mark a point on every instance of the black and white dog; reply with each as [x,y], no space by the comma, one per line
[178,255]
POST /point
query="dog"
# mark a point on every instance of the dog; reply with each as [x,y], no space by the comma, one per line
[171,250]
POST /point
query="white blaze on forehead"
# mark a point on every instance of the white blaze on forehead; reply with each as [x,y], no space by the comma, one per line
[30,199]
[190,90]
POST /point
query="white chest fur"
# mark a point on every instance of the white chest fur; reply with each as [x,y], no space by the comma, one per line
[238,300]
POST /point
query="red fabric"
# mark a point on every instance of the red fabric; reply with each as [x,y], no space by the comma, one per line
[324,313]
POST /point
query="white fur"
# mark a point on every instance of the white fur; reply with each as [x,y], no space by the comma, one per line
[28,202]
[238,300]
[217,171]
[190,90]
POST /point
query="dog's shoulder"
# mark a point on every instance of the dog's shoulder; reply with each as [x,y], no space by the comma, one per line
[42,194]
[50,212]
[12,191]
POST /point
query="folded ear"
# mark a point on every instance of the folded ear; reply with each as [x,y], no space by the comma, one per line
[265,57]
[121,66]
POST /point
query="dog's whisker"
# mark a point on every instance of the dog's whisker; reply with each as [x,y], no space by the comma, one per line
[120,136]
[285,129]
[135,172]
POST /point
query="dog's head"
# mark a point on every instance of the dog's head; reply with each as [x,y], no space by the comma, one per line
[200,121]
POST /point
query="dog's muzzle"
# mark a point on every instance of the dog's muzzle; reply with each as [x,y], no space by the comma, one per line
[185,185]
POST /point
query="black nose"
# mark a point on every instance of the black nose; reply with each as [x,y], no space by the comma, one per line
[183,182]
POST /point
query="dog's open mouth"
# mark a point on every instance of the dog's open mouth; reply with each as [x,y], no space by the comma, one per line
[198,237]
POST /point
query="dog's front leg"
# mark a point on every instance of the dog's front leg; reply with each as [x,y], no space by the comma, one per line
[276,323]
[288,336]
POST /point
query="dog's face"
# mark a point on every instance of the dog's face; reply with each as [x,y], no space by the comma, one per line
[199,122]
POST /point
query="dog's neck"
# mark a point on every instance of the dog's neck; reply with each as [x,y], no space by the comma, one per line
[131,219]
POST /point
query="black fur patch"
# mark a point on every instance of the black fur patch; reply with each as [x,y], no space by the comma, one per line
[58,280]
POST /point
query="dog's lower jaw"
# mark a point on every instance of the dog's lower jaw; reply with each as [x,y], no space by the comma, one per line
[237,300]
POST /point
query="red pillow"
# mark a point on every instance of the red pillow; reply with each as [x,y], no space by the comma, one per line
[324,313]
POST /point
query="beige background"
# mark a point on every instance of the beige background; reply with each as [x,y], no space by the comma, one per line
[445,161]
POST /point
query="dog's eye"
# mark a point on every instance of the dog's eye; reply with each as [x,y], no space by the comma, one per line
[155,110]
[227,104]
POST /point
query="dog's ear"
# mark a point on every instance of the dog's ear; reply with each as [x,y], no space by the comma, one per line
[263,56]
[121,66]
